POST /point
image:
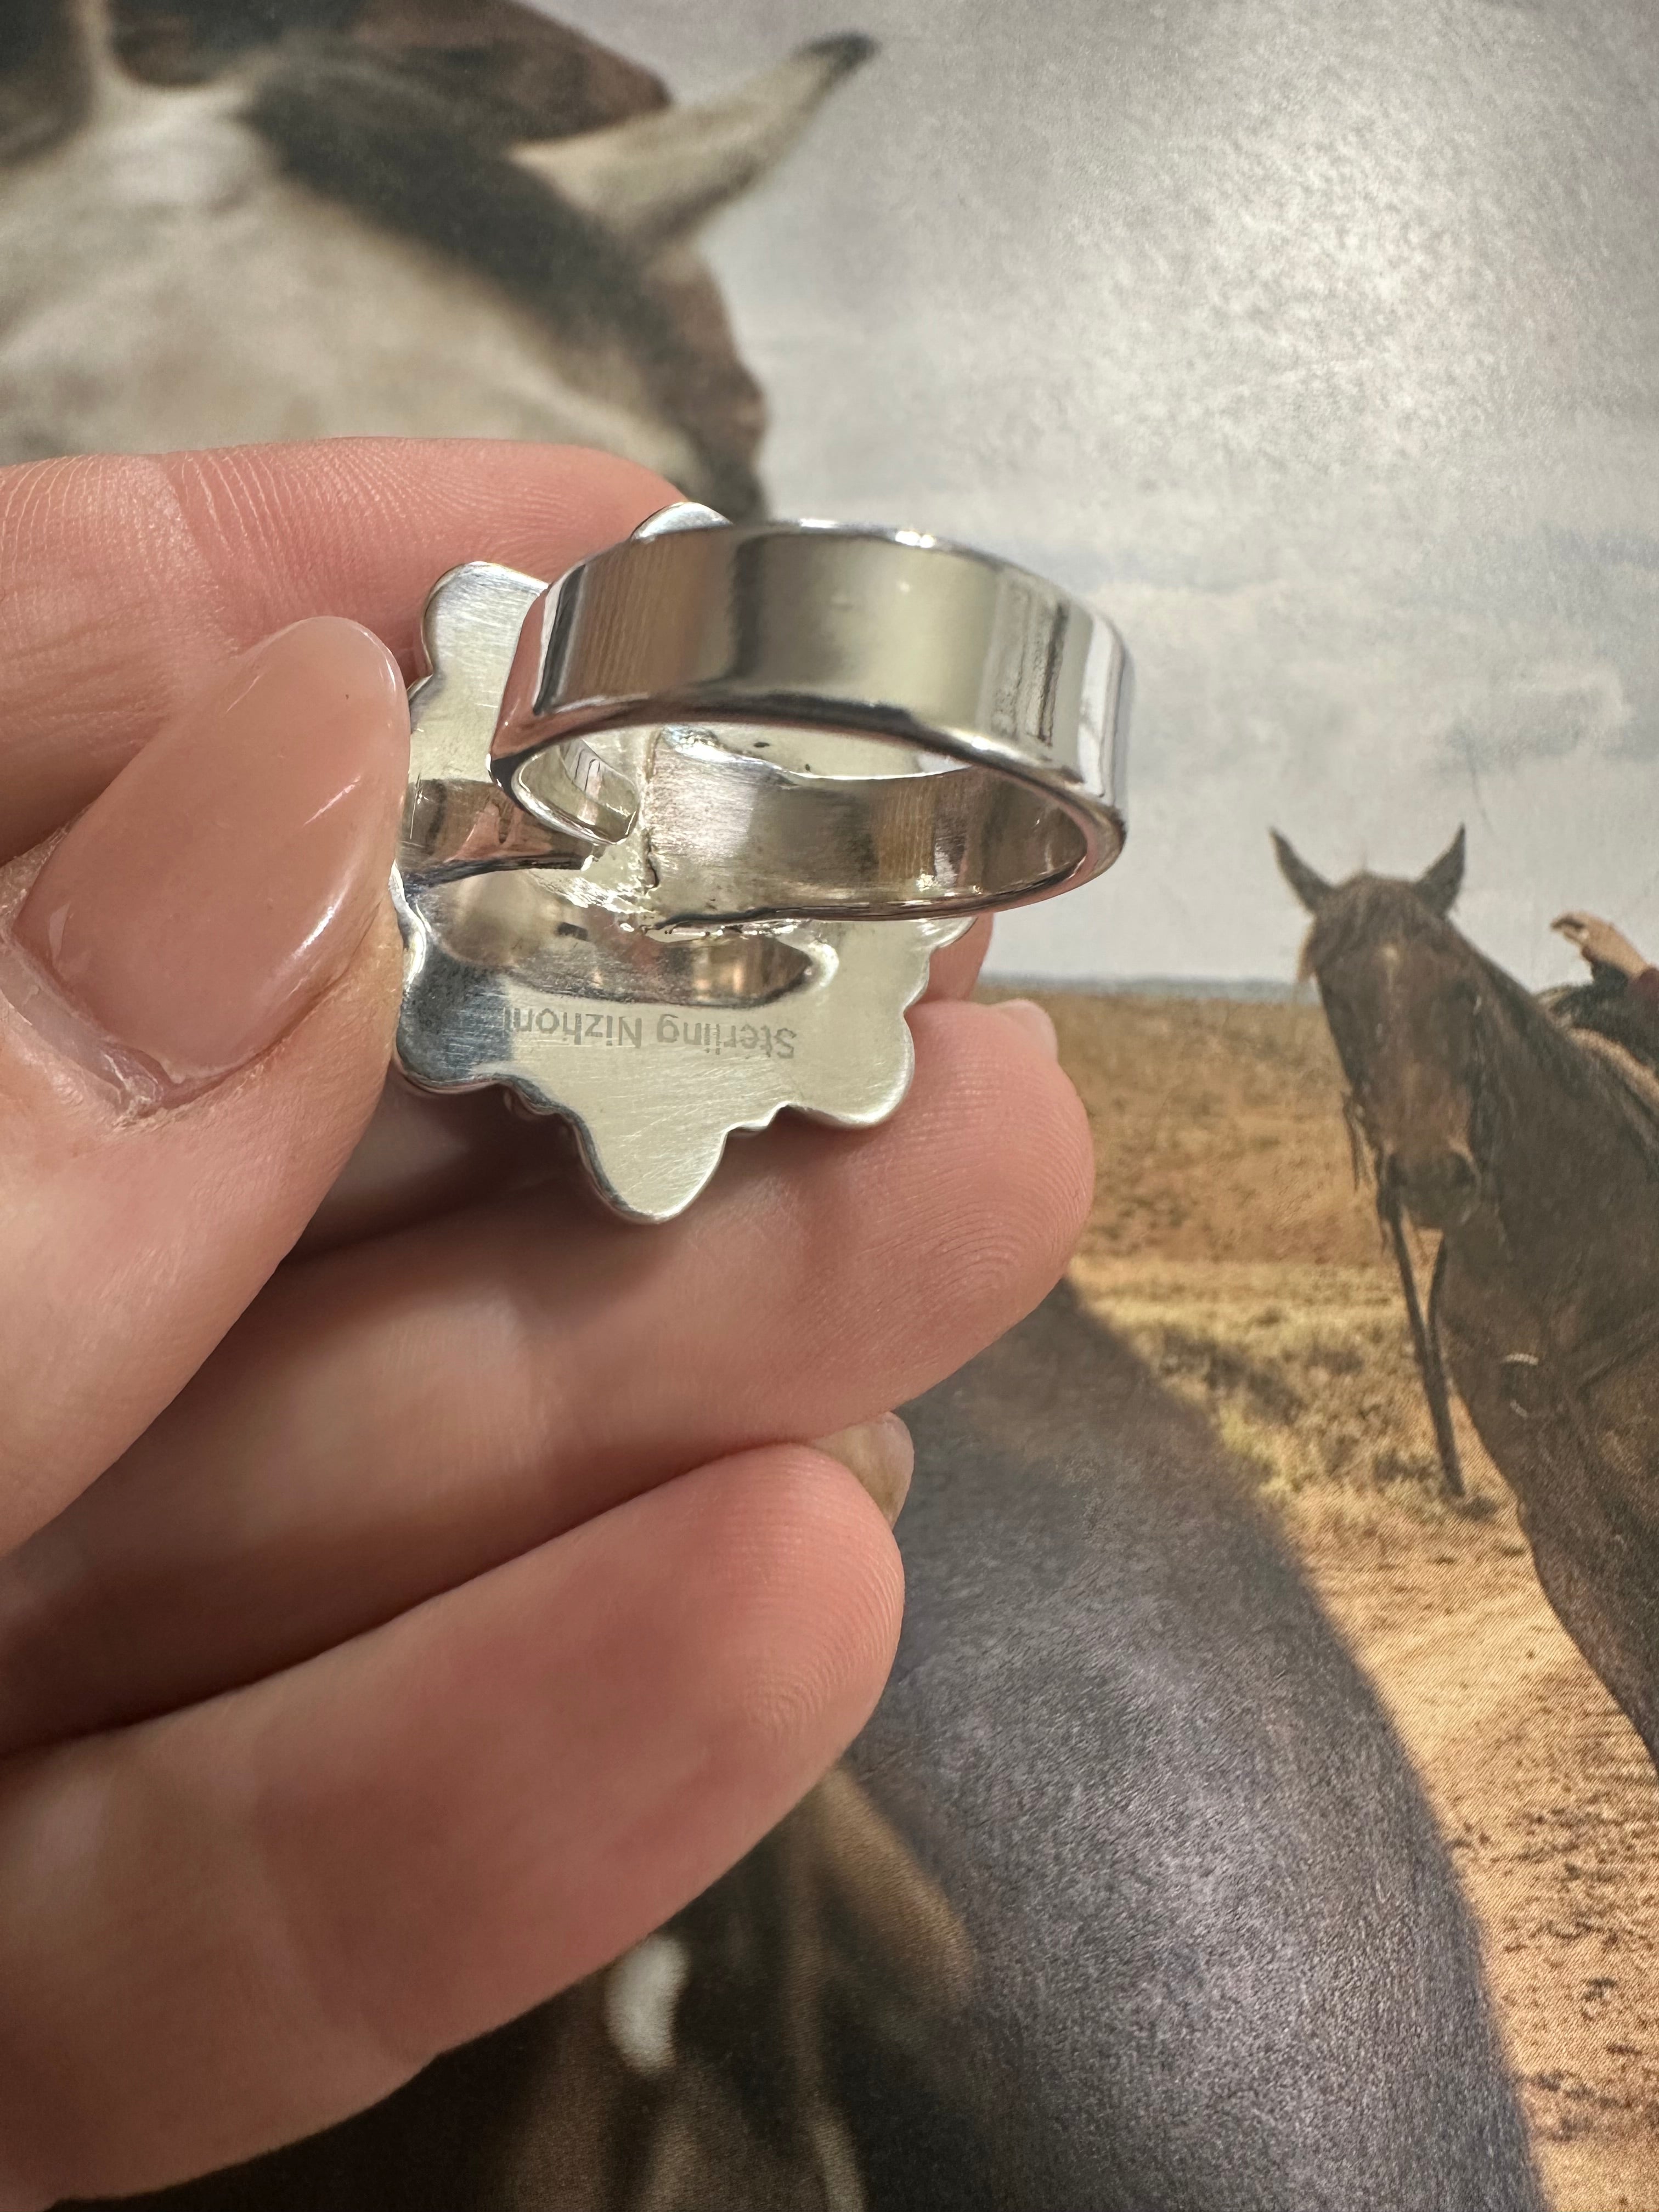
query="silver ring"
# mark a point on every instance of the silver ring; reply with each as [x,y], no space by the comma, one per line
[975,711]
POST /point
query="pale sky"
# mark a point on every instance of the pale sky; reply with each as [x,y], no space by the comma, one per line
[1315,341]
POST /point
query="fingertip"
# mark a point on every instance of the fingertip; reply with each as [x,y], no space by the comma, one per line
[357,679]
[1033,1020]
[362,667]
[955,968]
[813,1598]
[223,881]
[920,1241]
[1028,1165]
[881,1455]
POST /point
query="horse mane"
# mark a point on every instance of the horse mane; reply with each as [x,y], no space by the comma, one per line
[1556,1054]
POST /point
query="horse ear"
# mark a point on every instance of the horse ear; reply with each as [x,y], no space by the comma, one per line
[1438,886]
[1311,889]
[656,179]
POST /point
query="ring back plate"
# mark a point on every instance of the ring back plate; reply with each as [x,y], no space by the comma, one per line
[523,968]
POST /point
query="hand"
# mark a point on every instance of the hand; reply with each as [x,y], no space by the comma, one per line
[391,1635]
[1602,945]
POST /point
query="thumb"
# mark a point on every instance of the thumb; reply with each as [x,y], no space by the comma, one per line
[195,1010]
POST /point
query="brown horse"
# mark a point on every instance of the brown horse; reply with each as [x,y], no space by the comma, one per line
[1534,1151]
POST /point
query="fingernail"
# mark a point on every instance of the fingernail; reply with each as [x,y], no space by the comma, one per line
[1034,1021]
[882,1456]
[225,878]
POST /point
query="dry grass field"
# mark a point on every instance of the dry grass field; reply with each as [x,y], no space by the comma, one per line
[1231,1243]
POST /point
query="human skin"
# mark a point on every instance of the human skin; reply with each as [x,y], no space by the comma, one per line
[1601,942]
[416,1584]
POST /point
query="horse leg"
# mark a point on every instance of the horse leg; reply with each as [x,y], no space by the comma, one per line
[1580,1477]
[1609,1612]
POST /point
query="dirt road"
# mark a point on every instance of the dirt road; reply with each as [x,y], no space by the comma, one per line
[1548,1799]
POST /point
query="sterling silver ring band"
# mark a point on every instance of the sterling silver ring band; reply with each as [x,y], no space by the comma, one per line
[974,712]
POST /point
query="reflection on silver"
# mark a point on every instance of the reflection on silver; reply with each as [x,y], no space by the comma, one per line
[1002,696]
[667,925]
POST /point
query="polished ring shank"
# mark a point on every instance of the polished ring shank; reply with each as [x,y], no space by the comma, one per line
[996,700]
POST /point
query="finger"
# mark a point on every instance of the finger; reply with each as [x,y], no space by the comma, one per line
[1035,1021]
[881,1455]
[393,1419]
[955,969]
[423,1155]
[157,1156]
[127,580]
[225,1929]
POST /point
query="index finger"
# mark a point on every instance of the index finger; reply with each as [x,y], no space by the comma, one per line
[126,580]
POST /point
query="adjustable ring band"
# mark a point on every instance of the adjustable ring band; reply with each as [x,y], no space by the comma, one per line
[994,702]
